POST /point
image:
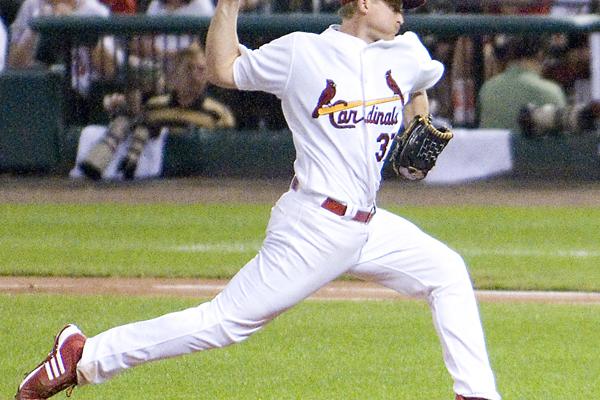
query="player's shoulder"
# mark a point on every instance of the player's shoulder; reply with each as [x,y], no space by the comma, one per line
[411,43]
[291,40]
[303,36]
[409,38]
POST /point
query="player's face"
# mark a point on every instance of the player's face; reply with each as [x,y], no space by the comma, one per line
[196,69]
[386,18]
[191,74]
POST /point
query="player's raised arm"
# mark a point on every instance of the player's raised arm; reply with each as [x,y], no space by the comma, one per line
[222,44]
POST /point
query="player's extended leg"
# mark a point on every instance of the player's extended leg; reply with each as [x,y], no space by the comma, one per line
[306,247]
[400,256]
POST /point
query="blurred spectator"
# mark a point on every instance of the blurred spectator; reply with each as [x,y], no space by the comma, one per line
[569,58]
[3,45]
[304,6]
[462,71]
[121,6]
[173,43]
[549,119]
[441,47]
[572,7]
[24,41]
[465,66]
[502,97]
[462,76]
[157,51]
[287,6]
[568,63]
[138,124]
[199,8]
[254,6]
[517,7]
[89,60]
[440,104]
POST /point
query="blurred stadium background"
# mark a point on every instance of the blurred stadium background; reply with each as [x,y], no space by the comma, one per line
[42,112]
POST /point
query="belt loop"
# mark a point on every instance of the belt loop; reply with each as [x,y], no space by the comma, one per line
[351,211]
[371,214]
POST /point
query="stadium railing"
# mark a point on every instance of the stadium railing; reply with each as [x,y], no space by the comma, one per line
[64,33]
[61,34]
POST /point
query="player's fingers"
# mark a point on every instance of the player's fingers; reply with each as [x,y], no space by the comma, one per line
[411,173]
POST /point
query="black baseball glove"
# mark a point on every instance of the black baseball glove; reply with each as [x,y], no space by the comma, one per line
[418,148]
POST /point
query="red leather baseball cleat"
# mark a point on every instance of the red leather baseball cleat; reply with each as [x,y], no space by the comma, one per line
[58,371]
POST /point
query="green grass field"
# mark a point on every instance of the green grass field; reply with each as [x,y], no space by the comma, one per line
[322,351]
[318,350]
[505,247]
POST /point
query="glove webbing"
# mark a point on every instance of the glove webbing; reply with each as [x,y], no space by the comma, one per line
[431,148]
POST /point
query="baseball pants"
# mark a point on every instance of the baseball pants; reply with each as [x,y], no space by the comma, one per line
[305,248]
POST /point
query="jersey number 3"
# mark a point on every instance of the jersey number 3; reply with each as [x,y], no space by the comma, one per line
[384,140]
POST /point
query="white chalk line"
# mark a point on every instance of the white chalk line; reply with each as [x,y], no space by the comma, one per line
[514,252]
[335,291]
[224,247]
[233,248]
[340,292]
[562,253]
[254,246]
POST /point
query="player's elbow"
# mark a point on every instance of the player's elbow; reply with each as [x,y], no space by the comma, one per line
[220,75]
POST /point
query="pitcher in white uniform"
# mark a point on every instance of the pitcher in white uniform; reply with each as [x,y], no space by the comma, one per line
[344,94]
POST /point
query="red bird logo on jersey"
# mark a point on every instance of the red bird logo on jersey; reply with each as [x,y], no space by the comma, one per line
[393,85]
[326,96]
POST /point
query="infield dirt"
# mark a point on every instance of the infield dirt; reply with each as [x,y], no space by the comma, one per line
[215,190]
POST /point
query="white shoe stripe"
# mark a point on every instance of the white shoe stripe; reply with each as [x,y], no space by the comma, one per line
[32,373]
[59,359]
[54,367]
[66,333]
[49,371]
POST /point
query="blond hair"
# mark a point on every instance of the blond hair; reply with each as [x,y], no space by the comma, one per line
[190,52]
[347,10]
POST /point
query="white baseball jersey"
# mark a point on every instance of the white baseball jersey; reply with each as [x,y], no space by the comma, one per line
[340,153]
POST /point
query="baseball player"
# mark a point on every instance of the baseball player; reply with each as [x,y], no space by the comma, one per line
[344,94]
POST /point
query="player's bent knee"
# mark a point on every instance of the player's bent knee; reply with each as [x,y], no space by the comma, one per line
[453,270]
[460,272]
